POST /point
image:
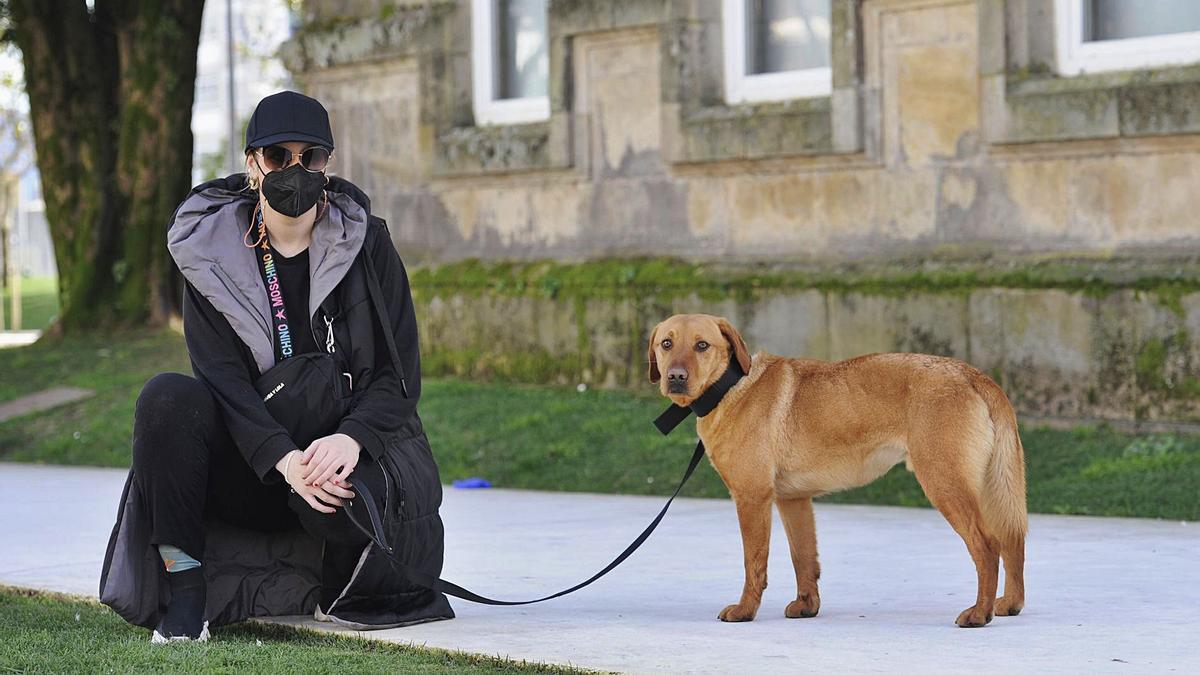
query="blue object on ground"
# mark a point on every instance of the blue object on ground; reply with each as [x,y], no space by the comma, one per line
[473,482]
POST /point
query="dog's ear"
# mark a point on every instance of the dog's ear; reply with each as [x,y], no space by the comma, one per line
[736,343]
[654,375]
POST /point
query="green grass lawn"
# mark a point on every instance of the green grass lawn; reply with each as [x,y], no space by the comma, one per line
[555,438]
[42,632]
[39,302]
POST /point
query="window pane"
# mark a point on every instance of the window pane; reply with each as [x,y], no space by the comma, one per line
[786,35]
[1116,19]
[522,65]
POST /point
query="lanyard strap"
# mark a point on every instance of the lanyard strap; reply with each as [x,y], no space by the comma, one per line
[282,334]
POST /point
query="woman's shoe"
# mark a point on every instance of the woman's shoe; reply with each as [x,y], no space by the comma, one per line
[318,615]
[184,618]
[158,638]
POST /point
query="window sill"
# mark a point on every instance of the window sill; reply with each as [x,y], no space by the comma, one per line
[757,130]
[533,146]
[1146,102]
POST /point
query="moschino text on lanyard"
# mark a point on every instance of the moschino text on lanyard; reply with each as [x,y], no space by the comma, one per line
[279,320]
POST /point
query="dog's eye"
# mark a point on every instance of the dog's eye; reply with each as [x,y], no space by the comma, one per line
[666,344]
[701,345]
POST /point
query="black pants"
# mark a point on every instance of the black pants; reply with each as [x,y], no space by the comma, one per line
[189,469]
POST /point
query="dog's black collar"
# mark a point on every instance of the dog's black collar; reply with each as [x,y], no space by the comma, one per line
[704,403]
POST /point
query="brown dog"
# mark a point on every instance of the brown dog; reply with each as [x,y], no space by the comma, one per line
[793,429]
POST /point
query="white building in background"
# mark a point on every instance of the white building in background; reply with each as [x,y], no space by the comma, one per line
[31,234]
[259,27]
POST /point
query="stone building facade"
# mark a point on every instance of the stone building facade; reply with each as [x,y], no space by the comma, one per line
[946,133]
[955,132]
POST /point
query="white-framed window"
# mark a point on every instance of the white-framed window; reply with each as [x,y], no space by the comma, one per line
[1104,35]
[776,49]
[509,61]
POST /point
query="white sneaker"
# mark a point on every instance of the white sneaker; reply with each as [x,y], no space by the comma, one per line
[321,616]
[158,639]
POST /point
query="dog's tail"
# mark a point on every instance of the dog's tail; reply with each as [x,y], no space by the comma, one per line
[1003,498]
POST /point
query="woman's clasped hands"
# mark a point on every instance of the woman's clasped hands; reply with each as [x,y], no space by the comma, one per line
[318,474]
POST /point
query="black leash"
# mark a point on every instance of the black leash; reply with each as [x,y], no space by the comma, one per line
[665,423]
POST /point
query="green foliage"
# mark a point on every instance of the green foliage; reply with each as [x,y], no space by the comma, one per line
[42,632]
[554,438]
[39,302]
[97,430]
[529,365]
[1153,373]
[671,278]
[560,438]
[1149,363]
[212,164]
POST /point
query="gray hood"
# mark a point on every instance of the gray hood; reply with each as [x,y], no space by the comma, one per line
[206,239]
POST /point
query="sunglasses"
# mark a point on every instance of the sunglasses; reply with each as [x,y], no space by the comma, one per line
[314,158]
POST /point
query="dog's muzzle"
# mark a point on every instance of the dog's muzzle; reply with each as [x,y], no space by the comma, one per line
[677,381]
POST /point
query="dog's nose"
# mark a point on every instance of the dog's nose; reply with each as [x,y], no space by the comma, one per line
[677,375]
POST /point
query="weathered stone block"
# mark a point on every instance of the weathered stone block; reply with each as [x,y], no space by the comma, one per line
[991,31]
[787,134]
[570,17]
[708,138]
[620,93]
[905,205]
[1162,109]
[1040,192]
[1047,351]
[1062,115]
[845,202]
[778,211]
[789,324]
[691,63]
[929,24]
[845,120]
[938,99]
[518,147]
[931,324]
[844,43]
[1166,359]
[694,10]
[635,13]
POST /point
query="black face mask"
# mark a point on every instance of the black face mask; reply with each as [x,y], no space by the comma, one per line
[293,190]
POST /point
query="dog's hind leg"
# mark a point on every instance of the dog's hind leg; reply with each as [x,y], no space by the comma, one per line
[987,563]
[947,485]
[1013,600]
[797,516]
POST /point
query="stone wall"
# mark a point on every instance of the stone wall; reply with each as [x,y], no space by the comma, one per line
[945,137]
[1123,355]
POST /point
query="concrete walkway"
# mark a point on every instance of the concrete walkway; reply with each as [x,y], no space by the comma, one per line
[1104,594]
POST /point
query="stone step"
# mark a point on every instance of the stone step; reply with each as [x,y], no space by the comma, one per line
[42,400]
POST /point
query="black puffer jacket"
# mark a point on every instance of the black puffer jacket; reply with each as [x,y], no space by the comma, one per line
[227,328]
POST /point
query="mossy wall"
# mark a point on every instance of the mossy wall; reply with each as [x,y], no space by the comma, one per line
[1065,340]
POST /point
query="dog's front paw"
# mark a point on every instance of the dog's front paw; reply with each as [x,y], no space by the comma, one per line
[738,612]
[973,617]
[805,606]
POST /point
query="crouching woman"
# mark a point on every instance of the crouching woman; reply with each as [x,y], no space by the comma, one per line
[239,507]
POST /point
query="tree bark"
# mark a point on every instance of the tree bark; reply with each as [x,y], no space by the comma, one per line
[110,97]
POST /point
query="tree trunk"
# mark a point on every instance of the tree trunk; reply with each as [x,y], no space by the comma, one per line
[110,97]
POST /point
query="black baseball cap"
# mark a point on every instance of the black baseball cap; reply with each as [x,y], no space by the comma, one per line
[288,116]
